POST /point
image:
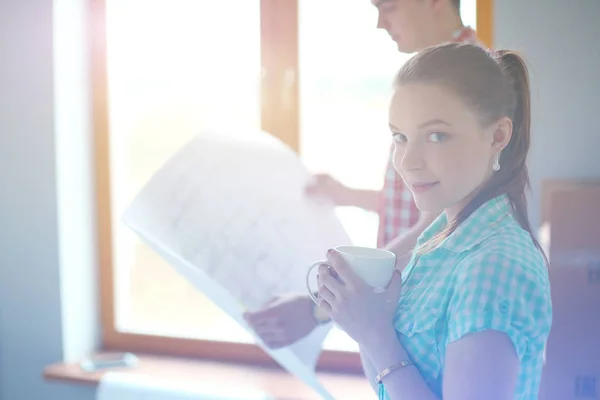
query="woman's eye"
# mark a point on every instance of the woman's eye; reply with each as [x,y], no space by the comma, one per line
[399,138]
[437,137]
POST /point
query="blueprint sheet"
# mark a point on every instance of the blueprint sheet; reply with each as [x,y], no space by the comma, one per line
[229,213]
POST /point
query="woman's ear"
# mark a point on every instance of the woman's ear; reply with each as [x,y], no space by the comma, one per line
[501,134]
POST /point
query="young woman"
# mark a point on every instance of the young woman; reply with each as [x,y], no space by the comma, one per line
[469,316]
[413,25]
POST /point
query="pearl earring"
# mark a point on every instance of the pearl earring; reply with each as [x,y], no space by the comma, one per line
[496,166]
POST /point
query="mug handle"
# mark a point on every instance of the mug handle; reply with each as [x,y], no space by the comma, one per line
[314,265]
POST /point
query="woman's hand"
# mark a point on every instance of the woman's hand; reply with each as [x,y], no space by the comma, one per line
[354,305]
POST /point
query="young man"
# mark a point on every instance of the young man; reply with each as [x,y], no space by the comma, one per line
[413,25]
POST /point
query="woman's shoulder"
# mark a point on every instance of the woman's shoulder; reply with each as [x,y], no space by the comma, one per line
[504,280]
[509,254]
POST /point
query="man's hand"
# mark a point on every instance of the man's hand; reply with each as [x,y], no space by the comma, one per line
[284,320]
[327,186]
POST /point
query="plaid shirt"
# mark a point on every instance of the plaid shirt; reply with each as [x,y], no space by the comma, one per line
[397,209]
[487,274]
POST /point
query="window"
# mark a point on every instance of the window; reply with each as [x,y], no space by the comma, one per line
[162,70]
[344,106]
[167,79]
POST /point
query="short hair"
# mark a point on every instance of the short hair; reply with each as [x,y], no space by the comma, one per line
[456,4]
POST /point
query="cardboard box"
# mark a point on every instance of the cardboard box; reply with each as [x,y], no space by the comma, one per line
[572,369]
[571,237]
[571,217]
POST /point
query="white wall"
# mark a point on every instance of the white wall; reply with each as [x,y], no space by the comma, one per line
[559,38]
[47,288]
[47,284]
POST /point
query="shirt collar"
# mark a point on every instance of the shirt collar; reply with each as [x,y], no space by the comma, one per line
[466,34]
[480,225]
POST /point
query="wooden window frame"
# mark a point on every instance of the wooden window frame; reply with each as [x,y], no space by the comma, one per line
[485,21]
[279,116]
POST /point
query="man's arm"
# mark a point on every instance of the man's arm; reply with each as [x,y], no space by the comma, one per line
[342,195]
[362,198]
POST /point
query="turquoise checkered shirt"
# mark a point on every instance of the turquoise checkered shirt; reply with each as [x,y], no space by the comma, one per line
[488,274]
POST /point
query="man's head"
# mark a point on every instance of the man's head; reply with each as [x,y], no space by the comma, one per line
[416,24]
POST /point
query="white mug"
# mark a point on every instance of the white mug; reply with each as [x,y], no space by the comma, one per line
[374,266]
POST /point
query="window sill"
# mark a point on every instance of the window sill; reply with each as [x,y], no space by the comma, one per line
[275,382]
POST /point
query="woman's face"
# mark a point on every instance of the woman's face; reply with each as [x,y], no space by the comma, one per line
[442,151]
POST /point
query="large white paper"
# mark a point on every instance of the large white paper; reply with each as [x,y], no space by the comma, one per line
[228,211]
